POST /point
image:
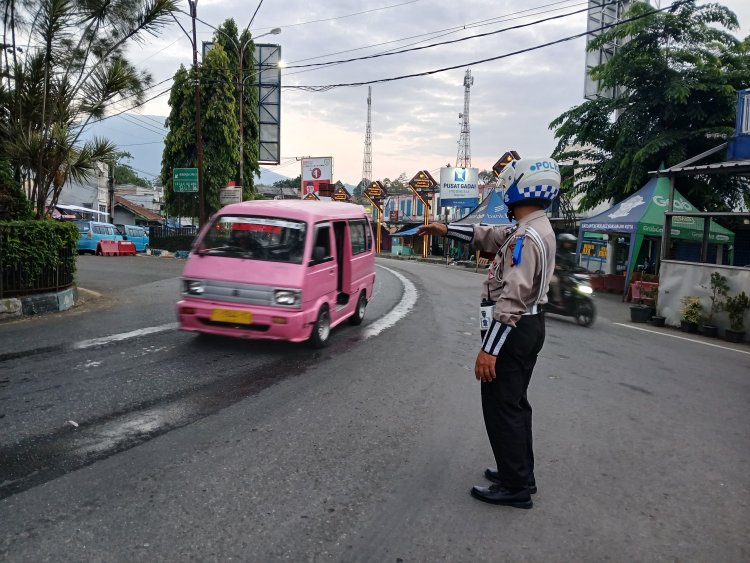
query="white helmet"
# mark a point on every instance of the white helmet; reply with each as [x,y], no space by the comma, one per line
[530,180]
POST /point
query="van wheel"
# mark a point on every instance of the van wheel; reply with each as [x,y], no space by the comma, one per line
[359,312]
[321,329]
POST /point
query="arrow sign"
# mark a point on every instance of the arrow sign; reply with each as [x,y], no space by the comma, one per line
[506,159]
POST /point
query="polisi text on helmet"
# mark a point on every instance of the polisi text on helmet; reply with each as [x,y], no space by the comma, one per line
[544,165]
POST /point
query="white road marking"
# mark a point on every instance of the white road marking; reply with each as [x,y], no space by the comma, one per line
[402,308]
[398,312]
[123,336]
[684,338]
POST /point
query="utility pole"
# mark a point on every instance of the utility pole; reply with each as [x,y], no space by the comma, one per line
[198,129]
[111,190]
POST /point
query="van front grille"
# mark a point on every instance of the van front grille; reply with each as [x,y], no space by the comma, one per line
[232,292]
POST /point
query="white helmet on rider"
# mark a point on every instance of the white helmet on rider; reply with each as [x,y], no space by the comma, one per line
[530,180]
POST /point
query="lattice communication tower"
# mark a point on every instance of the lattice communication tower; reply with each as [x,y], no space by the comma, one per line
[463,159]
[367,159]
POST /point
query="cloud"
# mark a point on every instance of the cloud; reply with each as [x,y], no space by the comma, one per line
[415,122]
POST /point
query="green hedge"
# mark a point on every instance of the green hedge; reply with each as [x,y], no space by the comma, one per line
[172,243]
[35,255]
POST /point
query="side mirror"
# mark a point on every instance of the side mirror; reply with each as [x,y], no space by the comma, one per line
[318,255]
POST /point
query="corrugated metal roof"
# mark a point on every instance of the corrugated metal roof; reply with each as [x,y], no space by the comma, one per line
[726,167]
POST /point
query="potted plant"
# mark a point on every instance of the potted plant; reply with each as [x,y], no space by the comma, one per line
[653,294]
[646,306]
[736,307]
[719,286]
[691,313]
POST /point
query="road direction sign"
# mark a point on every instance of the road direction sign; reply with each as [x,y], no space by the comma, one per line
[423,182]
[341,194]
[376,190]
[504,160]
[184,180]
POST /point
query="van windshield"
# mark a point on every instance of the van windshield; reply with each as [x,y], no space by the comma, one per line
[257,238]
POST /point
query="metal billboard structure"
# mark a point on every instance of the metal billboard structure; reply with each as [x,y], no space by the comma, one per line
[600,14]
[267,58]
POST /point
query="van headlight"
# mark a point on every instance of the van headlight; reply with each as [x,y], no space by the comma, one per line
[287,297]
[585,289]
[193,287]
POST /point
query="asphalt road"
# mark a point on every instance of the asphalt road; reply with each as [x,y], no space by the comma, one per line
[210,449]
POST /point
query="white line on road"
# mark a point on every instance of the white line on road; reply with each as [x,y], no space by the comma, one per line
[401,309]
[683,338]
[123,336]
[388,320]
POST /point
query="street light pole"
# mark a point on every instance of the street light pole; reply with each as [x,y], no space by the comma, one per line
[198,128]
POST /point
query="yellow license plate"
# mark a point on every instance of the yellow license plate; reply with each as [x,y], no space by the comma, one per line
[230,316]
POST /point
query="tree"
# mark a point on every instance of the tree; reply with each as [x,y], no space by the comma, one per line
[13,203]
[179,144]
[220,140]
[678,73]
[124,173]
[487,176]
[294,183]
[227,36]
[54,92]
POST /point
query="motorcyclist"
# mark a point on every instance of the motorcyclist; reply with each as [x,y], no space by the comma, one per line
[565,263]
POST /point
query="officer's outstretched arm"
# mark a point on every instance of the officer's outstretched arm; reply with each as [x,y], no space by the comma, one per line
[486,239]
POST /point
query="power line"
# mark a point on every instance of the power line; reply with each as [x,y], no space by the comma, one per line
[432,34]
[314,21]
[459,40]
[325,88]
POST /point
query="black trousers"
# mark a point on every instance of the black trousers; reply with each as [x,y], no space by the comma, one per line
[505,405]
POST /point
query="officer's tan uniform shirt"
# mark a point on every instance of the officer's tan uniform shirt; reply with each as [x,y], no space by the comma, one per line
[516,287]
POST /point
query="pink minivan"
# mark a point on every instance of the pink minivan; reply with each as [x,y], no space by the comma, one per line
[282,270]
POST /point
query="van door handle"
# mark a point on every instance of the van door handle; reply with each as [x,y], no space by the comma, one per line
[331,271]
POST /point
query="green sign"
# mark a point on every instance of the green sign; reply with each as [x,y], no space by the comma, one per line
[185,180]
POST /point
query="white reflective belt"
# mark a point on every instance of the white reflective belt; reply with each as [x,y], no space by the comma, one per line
[533,310]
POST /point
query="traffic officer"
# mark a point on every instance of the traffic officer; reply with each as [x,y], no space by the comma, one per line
[513,293]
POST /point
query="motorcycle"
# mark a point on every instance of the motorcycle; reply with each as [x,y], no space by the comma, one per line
[577,298]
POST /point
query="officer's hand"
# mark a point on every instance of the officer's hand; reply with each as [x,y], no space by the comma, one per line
[484,368]
[433,229]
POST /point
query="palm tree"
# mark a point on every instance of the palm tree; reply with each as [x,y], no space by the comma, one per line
[71,70]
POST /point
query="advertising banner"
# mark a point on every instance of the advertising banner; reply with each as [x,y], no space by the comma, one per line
[316,171]
[459,187]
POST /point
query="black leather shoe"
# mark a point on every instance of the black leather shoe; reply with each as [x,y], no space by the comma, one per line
[491,475]
[497,494]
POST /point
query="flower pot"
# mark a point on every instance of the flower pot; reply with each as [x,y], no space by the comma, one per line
[639,314]
[709,330]
[734,335]
[656,320]
[685,326]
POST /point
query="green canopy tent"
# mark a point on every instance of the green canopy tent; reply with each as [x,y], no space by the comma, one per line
[641,215]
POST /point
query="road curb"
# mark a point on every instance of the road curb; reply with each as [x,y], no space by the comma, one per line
[39,304]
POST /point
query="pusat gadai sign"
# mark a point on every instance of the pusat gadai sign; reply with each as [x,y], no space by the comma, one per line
[459,187]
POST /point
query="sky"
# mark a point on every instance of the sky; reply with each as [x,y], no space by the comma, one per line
[415,121]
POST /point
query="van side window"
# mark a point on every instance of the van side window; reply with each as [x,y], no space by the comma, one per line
[323,239]
[357,232]
[98,229]
[368,235]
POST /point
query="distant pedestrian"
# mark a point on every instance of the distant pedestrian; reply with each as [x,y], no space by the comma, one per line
[513,294]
